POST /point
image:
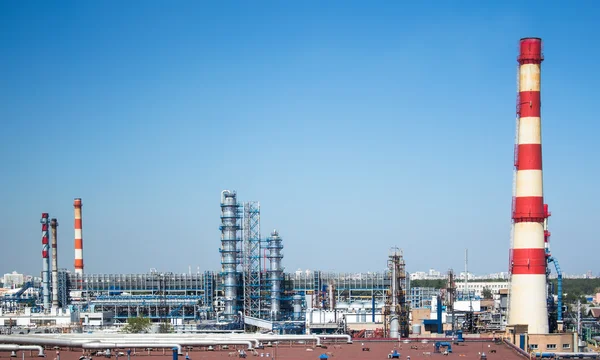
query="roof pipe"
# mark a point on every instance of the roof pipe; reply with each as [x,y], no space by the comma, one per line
[316,338]
[120,345]
[347,337]
[183,342]
[13,347]
[30,340]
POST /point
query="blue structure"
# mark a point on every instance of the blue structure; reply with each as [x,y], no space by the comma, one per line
[559,294]
[438,321]
[441,344]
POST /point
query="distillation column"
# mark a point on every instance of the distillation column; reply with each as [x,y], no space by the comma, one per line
[45,262]
[528,255]
[78,243]
[393,263]
[53,226]
[229,239]
[275,272]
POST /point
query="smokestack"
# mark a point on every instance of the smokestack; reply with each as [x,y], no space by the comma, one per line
[528,256]
[45,263]
[78,242]
[53,226]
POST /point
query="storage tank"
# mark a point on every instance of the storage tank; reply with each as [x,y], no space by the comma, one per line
[297,301]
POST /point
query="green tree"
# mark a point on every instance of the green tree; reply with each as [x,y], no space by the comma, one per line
[165,328]
[487,293]
[137,325]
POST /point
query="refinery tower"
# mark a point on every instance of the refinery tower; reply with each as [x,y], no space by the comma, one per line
[528,304]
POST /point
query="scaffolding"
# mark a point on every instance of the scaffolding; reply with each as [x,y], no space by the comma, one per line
[251,260]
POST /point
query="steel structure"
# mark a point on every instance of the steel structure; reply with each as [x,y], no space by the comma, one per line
[252,276]
[559,294]
[527,303]
[196,293]
[45,262]
[53,226]
[396,302]
[348,286]
[63,288]
[230,215]
[155,295]
[274,245]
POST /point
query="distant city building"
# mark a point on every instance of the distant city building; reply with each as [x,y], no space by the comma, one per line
[13,279]
[476,287]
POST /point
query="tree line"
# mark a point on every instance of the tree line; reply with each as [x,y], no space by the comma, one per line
[573,289]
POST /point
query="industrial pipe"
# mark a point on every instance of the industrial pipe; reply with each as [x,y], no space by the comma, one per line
[150,341]
[38,340]
[118,345]
[347,337]
[12,347]
[182,341]
[315,338]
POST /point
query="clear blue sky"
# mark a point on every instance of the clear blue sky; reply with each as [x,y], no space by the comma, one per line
[357,125]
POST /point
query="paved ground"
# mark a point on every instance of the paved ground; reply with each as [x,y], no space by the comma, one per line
[378,350]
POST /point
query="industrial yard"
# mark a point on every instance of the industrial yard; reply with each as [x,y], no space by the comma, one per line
[377,350]
[253,307]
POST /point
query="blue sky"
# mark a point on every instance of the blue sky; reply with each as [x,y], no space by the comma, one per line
[357,125]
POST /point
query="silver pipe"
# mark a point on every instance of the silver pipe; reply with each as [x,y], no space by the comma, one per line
[347,337]
[38,340]
[182,340]
[119,345]
[12,347]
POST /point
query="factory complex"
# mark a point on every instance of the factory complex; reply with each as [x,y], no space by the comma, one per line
[252,301]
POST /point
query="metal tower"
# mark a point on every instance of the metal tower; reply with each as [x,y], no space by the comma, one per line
[45,262]
[275,272]
[53,227]
[398,310]
[252,259]
[229,251]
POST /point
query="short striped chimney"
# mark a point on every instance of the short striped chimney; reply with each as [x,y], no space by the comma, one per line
[78,240]
[528,255]
[45,262]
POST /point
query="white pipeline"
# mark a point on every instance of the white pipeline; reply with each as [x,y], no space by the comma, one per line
[12,347]
[120,345]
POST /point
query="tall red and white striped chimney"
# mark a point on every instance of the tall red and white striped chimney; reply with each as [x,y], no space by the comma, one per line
[528,256]
[78,240]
